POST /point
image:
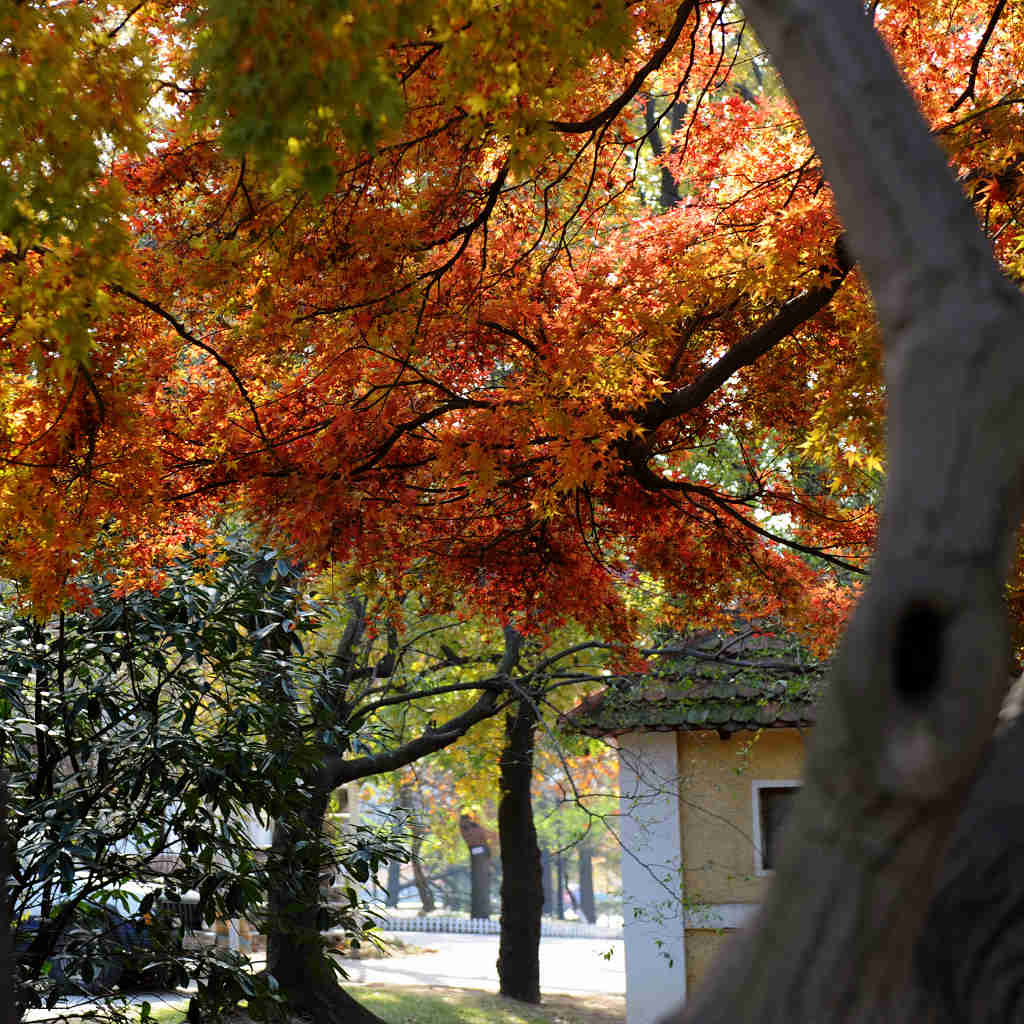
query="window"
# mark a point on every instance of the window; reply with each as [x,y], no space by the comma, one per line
[772,801]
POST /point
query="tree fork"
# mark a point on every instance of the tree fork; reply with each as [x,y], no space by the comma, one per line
[921,670]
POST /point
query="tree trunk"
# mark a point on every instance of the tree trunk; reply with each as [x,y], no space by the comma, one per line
[522,889]
[9,1012]
[560,885]
[918,677]
[587,907]
[545,870]
[405,799]
[968,963]
[295,951]
[394,883]
[480,883]
[426,894]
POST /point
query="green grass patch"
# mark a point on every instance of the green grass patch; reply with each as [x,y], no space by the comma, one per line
[470,1006]
[421,1005]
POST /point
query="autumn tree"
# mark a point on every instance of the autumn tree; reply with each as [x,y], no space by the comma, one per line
[386,277]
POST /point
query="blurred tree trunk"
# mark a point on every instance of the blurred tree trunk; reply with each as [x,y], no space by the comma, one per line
[546,875]
[418,830]
[394,883]
[587,907]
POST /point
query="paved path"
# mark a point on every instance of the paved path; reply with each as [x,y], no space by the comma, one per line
[573,966]
[570,966]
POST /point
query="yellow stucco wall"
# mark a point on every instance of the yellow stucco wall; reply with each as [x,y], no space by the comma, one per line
[716,807]
[701,949]
[717,822]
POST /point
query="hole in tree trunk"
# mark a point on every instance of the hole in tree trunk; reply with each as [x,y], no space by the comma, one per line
[917,651]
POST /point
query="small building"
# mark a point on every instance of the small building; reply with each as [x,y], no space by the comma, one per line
[711,749]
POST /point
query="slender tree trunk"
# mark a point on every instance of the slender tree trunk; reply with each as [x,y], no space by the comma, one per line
[426,894]
[394,883]
[405,799]
[522,888]
[295,950]
[560,885]
[480,881]
[587,907]
[919,675]
[545,870]
[9,1012]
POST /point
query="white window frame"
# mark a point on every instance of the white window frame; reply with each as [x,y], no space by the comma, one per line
[755,799]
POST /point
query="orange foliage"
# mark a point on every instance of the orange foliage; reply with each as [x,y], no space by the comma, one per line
[474,359]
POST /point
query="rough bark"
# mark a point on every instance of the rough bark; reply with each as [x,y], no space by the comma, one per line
[522,887]
[919,674]
[587,906]
[968,964]
[295,951]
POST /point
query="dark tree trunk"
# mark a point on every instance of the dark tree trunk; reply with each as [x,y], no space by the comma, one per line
[480,883]
[969,966]
[522,889]
[917,681]
[669,194]
[295,950]
[9,1012]
[546,875]
[394,883]
[560,885]
[587,906]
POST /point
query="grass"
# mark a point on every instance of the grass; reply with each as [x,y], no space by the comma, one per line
[423,1005]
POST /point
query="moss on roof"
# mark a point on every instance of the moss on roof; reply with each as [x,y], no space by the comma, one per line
[753,679]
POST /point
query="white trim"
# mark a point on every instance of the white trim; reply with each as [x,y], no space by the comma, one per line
[652,886]
[755,800]
[721,915]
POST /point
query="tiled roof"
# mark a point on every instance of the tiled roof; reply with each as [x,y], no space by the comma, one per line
[750,680]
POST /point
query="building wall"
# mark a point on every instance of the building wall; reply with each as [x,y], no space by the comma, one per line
[716,808]
[653,925]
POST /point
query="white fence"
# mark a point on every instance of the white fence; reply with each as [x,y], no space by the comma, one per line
[478,926]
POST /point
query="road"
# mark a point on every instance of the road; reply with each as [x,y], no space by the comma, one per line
[570,966]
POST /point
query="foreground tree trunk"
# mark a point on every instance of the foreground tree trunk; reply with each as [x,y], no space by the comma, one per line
[522,887]
[921,670]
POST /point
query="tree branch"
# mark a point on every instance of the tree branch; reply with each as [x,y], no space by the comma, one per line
[614,108]
[793,314]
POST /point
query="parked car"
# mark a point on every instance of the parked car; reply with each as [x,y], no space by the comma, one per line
[126,937]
